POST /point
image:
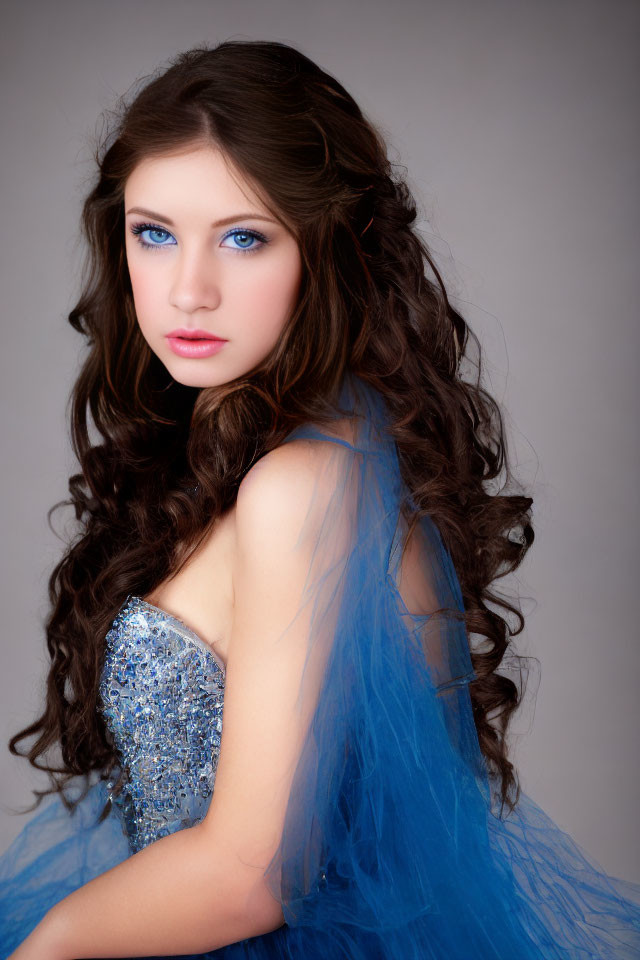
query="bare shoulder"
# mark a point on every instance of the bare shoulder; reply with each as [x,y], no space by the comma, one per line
[295,466]
[283,487]
[279,469]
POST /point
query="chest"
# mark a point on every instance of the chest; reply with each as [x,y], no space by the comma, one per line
[201,593]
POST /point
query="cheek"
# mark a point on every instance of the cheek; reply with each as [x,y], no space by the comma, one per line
[146,293]
[272,298]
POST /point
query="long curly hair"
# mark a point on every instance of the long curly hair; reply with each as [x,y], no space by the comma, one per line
[366,304]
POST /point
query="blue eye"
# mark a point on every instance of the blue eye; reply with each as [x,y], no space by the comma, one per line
[138,229]
[243,236]
[158,238]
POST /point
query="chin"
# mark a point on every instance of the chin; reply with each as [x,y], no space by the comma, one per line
[191,373]
[200,382]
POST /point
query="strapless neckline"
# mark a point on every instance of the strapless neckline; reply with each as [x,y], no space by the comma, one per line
[180,625]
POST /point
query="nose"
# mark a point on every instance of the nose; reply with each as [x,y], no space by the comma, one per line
[194,284]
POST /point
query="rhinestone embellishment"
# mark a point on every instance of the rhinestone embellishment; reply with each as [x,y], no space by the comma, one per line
[162,696]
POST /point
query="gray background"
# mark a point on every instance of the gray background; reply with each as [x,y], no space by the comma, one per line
[518,125]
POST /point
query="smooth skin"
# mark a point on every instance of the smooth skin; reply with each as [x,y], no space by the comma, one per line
[192,274]
[202,887]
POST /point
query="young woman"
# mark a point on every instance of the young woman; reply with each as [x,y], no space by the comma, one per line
[274,686]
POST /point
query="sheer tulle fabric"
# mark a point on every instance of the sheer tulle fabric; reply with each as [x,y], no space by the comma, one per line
[390,848]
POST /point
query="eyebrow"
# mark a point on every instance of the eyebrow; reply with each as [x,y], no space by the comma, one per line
[216,223]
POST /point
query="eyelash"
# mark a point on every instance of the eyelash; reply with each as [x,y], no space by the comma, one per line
[139,228]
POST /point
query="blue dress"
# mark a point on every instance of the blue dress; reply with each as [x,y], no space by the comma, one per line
[392,846]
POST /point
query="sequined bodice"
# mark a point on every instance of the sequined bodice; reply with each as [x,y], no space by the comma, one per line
[162,694]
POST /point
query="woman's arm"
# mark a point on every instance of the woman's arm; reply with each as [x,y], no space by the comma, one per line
[203,887]
[183,893]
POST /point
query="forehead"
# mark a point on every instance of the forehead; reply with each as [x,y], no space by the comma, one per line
[201,173]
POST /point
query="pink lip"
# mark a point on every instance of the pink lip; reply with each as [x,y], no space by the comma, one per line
[195,348]
[194,343]
[197,334]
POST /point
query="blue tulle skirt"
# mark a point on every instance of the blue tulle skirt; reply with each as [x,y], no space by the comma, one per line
[560,902]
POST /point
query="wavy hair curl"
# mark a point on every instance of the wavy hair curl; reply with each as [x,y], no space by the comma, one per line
[366,303]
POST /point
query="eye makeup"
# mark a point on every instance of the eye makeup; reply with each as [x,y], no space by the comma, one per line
[138,229]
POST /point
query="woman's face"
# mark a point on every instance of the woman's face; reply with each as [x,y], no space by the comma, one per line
[206,258]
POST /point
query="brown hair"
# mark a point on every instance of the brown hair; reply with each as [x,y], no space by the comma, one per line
[365,304]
